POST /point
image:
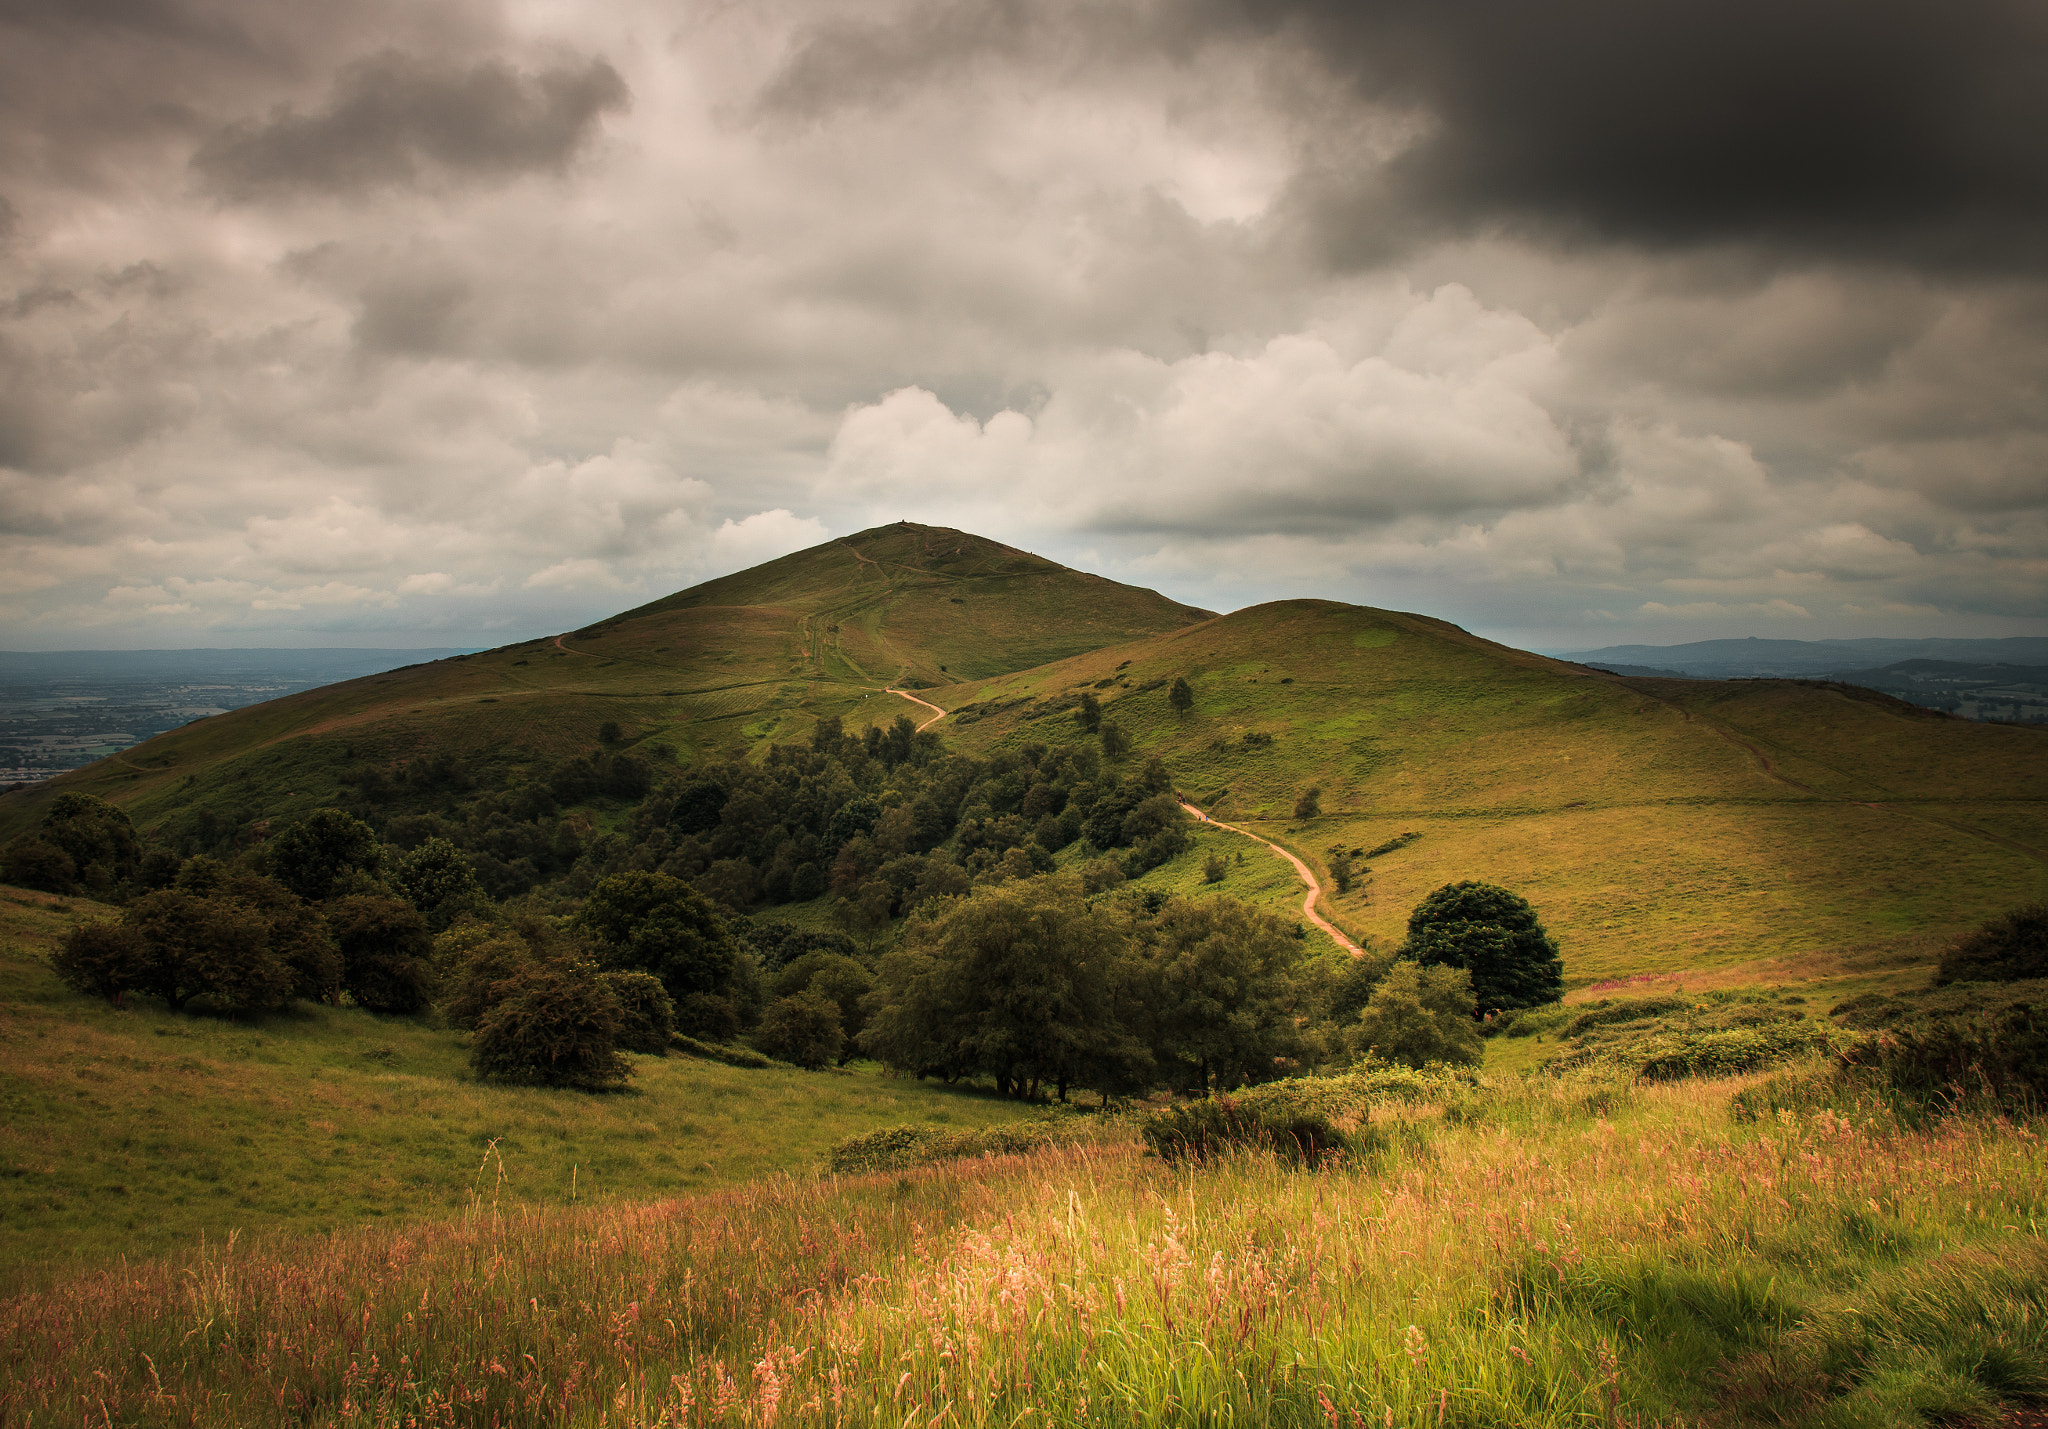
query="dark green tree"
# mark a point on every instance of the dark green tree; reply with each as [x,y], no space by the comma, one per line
[83,845]
[436,879]
[842,979]
[1181,696]
[1225,991]
[1090,712]
[212,948]
[652,923]
[803,1028]
[318,857]
[106,960]
[1115,743]
[1310,804]
[387,953]
[1494,935]
[647,1014]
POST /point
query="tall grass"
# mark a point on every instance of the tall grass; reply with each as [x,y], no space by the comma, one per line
[1538,1264]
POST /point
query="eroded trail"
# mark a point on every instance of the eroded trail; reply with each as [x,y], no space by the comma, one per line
[937,713]
[1315,889]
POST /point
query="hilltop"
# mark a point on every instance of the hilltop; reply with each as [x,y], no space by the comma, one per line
[723,666]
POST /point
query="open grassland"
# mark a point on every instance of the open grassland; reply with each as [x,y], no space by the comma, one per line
[1658,825]
[1548,1256]
[136,1132]
[722,667]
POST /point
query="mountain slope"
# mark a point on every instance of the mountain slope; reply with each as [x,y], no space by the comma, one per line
[719,667]
[1660,825]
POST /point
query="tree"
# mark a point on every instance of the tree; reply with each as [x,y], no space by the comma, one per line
[298,934]
[1090,712]
[1224,990]
[1214,868]
[1115,743]
[478,965]
[1494,935]
[647,1014]
[83,844]
[1420,1015]
[803,1028]
[106,960]
[436,879]
[215,948]
[652,923]
[386,953]
[1341,867]
[316,857]
[556,1025]
[1181,696]
[834,976]
[1310,804]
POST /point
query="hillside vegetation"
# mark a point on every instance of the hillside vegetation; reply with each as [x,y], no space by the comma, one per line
[1663,826]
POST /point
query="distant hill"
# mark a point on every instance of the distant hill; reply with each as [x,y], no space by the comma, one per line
[1732,659]
[1975,691]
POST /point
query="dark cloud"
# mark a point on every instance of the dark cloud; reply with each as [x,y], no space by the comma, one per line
[396,119]
[1892,131]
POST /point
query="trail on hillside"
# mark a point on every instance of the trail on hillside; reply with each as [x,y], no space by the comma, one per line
[937,713]
[1315,889]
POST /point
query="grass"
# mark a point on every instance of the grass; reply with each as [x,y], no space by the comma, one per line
[134,1133]
[1545,1257]
[1637,815]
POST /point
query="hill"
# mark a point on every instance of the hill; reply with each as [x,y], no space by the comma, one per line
[1734,659]
[722,666]
[1673,827]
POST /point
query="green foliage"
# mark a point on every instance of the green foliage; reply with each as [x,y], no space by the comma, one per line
[475,964]
[386,952]
[83,845]
[901,1148]
[1181,696]
[1309,804]
[555,1025]
[1224,991]
[1494,935]
[845,982]
[1220,1125]
[653,923]
[743,1057]
[1214,868]
[436,879]
[1115,742]
[1419,1015]
[2009,948]
[212,948]
[647,1015]
[1089,712]
[802,1029]
[316,857]
[1703,1037]
[1996,1060]
[103,960]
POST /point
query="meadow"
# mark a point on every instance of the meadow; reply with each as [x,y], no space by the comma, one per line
[135,1132]
[1546,1253]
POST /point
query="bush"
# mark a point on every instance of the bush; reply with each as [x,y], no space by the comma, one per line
[899,1148]
[1996,1060]
[555,1026]
[476,965]
[803,1030]
[102,960]
[386,953]
[1198,1131]
[1420,1015]
[316,857]
[2009,948]
[210,948]
[647,1015]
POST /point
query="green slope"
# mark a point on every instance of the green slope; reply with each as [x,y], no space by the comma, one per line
[722,666]
[1662,826]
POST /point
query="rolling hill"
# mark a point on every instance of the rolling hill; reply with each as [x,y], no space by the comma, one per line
[722,666]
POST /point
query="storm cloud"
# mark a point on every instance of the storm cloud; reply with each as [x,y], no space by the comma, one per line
[1575,323]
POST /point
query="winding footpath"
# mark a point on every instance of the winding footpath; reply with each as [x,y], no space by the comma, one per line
[1315,889]
[937,713]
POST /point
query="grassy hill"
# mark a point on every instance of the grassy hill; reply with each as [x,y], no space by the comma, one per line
[1664,827]
[725,665]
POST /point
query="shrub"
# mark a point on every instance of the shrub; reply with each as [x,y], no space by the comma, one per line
[436,879]
[899,1148]
[102,960]
[2009,948]
[1198,1131]
[32,862]
[803,1029]
[713,1018]
[213,948]
[386,953]
[647,1015]
[316,857]
[1994,1060]
[476,965]
[555,1026]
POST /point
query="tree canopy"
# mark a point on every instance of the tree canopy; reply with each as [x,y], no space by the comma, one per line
[1494,935]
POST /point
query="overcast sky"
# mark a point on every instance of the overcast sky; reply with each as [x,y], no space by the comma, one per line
[1580,322]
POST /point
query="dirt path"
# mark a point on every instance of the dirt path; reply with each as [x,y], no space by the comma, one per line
[1315,889]
[937,713]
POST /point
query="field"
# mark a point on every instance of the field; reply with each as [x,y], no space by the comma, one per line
[135,1133]
[1543,1256]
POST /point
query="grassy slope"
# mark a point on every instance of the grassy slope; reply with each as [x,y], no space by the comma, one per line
[725,665]
[135,1132]
[1638,815]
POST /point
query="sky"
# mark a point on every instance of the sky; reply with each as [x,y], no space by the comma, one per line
[1582,323]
